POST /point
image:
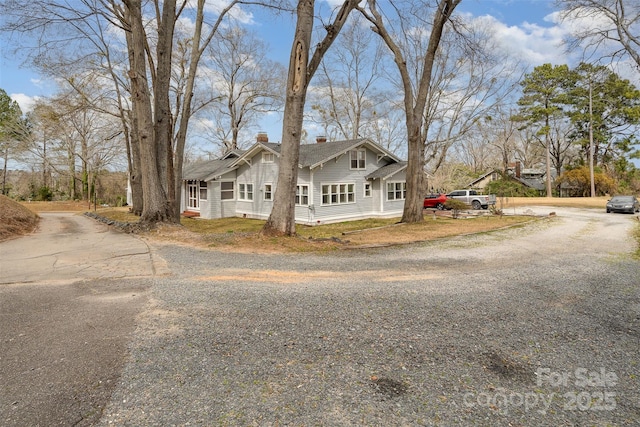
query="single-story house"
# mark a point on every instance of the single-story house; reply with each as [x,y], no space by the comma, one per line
[337,181]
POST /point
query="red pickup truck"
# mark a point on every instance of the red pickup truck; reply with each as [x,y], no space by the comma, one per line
[436,201]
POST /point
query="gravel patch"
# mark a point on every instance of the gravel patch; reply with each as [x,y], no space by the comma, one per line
[534,326]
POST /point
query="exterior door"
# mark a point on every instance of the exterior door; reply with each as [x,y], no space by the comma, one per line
[193,196]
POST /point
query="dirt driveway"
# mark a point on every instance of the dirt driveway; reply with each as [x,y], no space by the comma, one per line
[69,296]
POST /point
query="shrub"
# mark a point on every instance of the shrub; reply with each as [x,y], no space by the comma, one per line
[455,206]
[44,194]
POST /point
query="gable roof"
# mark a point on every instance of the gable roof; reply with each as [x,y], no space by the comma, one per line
[208,170]
[387,171]
[481,177]
[314,155]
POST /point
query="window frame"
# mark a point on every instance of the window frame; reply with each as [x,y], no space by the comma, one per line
[268,190]
[202,190]
[300,195]
[339,193]
[402,190]
[366,190]
[223,191]
[268,157]
[360,163]
[245,192]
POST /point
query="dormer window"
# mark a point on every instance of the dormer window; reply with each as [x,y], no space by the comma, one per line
[268,157]
[357,158]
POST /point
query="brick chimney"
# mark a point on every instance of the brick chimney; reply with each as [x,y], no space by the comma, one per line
[262,137]
[321,139]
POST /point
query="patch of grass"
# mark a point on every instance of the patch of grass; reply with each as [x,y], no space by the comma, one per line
[326,231]
[223,225]
[58,206]
[243,235]
[636,235]
[118,214]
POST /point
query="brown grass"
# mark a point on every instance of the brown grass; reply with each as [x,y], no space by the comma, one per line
[62,206]
[243,235]
[15,219]
[574,202]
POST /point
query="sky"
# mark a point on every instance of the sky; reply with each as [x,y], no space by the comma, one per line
[522,21]
[528,28]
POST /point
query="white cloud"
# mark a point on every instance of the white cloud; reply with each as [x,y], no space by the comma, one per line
[217,6]
[532,44]
[25,102]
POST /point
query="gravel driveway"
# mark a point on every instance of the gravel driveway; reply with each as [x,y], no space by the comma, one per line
[532,326]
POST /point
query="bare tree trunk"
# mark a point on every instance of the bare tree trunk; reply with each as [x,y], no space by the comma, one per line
[415,106]
[163,131]
[4,169]
[197,50]
[282,218]
[155,206]
[72,173]
[132,139]
[135,167]
[281,221]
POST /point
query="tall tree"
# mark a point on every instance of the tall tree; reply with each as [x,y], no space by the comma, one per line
[302,66]
[545,92]
[346,99]
[608,106]
[158,122]
[11,132]
[416,91]
[244,83]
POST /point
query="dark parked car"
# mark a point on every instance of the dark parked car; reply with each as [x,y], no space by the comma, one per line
[628,204]
[435,201]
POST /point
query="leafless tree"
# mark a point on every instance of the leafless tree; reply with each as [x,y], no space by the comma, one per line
[158,123]
[243,83]
[348,101]
[604,27]
[302,66]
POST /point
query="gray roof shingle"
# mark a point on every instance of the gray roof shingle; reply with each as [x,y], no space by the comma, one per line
[314,154]
[387,170]
[207,170]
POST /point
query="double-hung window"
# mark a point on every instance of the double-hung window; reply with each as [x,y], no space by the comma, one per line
[268,192]
[302,195]
[268,157]
[338,194]
[396,190]
[203,190]
[357,158]
[245,191]
[226,190]
[366,192]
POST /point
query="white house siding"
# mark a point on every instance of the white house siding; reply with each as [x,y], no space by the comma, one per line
[339,171]
[212,210]
[392,206]
[215,207]
[377,203]
[258,174]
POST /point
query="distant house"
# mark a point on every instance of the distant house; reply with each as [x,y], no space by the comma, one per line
[482,181]
[337,181]
[530,178]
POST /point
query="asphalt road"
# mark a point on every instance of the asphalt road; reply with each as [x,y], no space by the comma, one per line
[425,334]
[69,297]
